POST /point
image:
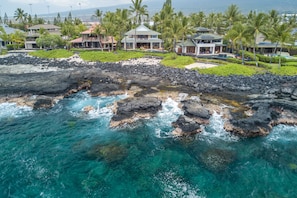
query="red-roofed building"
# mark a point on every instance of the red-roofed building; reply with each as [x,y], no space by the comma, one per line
[93,38]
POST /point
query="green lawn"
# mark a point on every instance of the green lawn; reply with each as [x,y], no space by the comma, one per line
[172,60]
[232,69]
[109,56]
[56,53]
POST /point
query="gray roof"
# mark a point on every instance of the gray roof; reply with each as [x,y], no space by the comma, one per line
[9,30]
[132,40]
[142,30]
[207,36]
[187,43]
[45,26]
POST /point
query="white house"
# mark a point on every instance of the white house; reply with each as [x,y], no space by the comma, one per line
[204,42]
[142,38]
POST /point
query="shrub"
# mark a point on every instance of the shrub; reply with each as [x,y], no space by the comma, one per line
[284,71]
[248,55]
[269,59]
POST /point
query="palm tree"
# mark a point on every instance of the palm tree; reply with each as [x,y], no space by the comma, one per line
[20,15]
[139,11]
[231,16]
[122,22]
[109,25]
[280,34]
[256,24]
[238,33]
[98,14]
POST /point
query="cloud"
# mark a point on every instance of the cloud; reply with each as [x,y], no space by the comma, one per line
[74,3]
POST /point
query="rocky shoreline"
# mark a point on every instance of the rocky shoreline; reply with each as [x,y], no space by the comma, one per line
[251,106]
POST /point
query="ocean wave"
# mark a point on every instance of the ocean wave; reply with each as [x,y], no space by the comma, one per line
[215,130]
[12,110]
[175,186]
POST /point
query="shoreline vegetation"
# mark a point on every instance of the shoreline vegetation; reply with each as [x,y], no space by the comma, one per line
[230,66]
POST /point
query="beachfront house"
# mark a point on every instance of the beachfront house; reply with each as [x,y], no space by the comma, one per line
[204,42]
[8,31]
[34,33]
[93,40]
[142,38]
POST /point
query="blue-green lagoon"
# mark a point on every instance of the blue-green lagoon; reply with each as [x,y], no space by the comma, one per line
[63,152]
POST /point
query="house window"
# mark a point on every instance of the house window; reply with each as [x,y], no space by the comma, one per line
[154,36]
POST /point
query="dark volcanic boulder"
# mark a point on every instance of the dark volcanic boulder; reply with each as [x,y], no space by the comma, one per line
[259,124]
[131,109]
[193,108]
[43,102]
[185,126]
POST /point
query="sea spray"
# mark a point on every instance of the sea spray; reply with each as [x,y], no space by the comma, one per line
[12,110]
[215,130]
[162,122]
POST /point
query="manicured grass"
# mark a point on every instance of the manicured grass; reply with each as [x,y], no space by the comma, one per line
[232,69]
[116,56]
[285,71]
[3,51]
[172,60]
[56,53]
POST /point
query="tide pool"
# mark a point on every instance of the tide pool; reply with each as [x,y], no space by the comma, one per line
[63,152]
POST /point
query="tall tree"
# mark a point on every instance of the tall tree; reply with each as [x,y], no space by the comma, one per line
[139,11]
[98,14]
[20,15]
[231,16]
[281,35]
[239,34]
[5,20]
[256,24]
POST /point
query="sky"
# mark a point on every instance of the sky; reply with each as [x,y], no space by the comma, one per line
[53,6]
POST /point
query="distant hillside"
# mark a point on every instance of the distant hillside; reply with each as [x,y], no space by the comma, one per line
[207,6]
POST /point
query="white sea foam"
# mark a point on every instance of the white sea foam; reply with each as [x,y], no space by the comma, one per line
[162,122]
[283,133]
[215,130]
[102,106]
[175,186]
[11,110]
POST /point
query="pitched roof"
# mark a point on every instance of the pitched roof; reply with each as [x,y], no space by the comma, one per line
[90,30]
[207,36]
[78,40]
[45,26]
[142,30]
[9,30]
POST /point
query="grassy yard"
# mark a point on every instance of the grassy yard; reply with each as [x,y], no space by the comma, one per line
[56,53]
[116,56]
[232,69]
[173,60]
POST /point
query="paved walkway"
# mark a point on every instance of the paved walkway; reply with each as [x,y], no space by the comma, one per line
[201,65]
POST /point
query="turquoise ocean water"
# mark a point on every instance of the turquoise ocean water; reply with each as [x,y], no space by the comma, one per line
[63,152]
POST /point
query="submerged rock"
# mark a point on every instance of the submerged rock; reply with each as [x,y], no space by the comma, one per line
[113,152]
[217,160]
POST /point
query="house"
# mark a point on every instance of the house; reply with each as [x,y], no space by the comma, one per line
[91,39]
[8,30]
[34,33]
[142,38]
[204,42]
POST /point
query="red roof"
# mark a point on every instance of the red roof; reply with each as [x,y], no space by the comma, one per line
[78,40]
